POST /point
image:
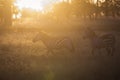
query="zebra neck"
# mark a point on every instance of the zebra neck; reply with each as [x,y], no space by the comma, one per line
[94,37]
[45,39]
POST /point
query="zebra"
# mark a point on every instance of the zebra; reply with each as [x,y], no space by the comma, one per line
[106,41]
[54,43]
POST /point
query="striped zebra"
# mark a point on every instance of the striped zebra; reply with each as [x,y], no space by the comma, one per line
[106,41]
[54,43]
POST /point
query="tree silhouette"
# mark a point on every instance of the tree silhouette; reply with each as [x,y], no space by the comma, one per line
[6,12]
[62,10]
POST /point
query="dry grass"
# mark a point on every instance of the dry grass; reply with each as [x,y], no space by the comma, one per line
[21,59]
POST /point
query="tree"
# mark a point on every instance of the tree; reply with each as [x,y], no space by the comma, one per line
[6,6]
[110,8]
[62,10]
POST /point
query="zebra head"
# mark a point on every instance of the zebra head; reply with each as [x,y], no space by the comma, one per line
[89,34]
[40,36]
[36,38]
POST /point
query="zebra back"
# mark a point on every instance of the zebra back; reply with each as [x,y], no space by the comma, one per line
[54,42]
[89,33]
[40,36]
[108,39]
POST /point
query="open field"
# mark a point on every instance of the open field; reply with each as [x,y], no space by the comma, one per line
[21,59]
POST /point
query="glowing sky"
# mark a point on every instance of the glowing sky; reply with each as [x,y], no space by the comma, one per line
[38,5]
[35,4]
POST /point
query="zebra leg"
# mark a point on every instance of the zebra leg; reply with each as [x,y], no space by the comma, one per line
[49,50]
[68,44]
[93,51]
[96,50]
[72,48]
[110,51]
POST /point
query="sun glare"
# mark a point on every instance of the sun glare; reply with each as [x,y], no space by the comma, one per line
[95,1]
[33,4]
[38,5]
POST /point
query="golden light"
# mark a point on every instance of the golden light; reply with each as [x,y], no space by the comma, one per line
[38,5]
[17,16]
[95,1]
[33,4]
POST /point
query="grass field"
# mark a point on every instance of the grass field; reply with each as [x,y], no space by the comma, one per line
[21,59]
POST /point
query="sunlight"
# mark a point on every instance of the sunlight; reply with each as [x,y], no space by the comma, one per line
[33,4]
[38,5]
[17,16]
[95,1]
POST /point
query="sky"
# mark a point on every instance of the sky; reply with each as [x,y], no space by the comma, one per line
[35,4]
[38,5]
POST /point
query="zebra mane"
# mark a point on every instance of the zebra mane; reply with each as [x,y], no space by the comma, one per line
[45,34]
[90,32]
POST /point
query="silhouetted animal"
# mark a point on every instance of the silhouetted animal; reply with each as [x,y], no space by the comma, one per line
[106,41]
[52,43]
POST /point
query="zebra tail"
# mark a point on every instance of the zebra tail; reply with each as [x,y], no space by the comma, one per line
[71,46]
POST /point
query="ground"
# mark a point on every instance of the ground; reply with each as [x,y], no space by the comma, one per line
[21,59]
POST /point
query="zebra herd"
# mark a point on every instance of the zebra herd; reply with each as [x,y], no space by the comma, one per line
[106,41]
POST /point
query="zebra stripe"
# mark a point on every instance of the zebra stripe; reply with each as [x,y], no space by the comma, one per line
[52,43]
[106,41]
